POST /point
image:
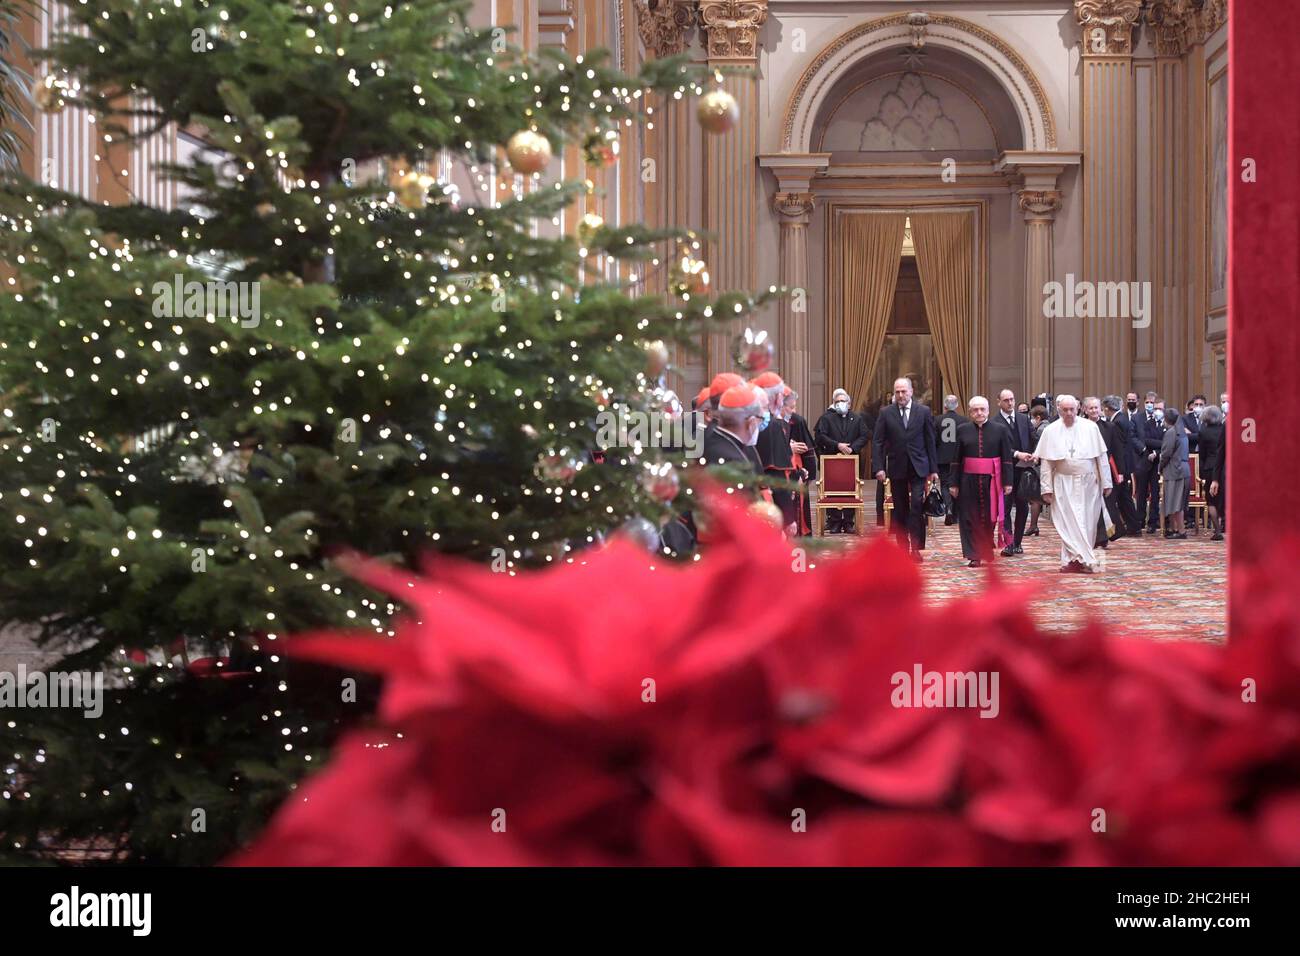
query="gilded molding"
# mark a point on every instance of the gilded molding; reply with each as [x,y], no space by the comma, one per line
[1044,108]
[664,25]
[731,27]
[1181,24]
[1107,26]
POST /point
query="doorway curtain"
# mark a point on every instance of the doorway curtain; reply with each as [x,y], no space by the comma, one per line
[870,251]
[945,247]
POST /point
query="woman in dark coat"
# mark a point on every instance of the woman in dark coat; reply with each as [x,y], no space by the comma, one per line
[1174,473]
[1212,437]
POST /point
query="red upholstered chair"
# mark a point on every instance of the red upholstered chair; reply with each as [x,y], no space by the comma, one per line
[1196,493]
[839,488]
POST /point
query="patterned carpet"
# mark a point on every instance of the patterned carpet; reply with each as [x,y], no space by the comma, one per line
[1161,588]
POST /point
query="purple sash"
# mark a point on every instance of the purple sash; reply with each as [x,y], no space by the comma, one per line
[993,468]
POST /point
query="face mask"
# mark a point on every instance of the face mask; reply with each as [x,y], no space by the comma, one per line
[1150,408]
[767,420]
[1132,406]
[842,407]
[1160,416]
[1225,408]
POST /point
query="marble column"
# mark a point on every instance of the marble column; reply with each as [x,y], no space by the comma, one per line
[731,28]
[793,210]
[1039,208]
[1109,190]
[793,175]
[665,28]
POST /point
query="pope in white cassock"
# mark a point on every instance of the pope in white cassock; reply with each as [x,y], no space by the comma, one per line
[1075,475]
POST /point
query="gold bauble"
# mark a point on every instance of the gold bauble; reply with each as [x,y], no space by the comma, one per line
[688,276]
[413,190]
[49,94]
[529,152]
[718,111]
[587,227]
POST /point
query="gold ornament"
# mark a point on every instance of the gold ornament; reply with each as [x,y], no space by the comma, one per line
[265,209]
[688,276]
[587,227]
[50,94]
[718,111]
[413,190]
[528,151]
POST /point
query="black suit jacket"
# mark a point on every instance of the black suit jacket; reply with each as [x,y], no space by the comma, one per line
[1153,435]
[1137,426]
[947,450]
[1126,460]
[1110,438]
[1192,425]
[893,448]
[1021,439]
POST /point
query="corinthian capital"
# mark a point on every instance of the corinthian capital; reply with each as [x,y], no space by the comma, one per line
[1040,203]
[1107,25]
[793,208]
[732,27]
[664,25]
[1170,22]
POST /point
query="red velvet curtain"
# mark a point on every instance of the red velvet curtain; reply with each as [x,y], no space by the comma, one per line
[1263,286]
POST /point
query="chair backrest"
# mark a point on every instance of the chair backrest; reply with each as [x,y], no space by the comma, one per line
[839,476]
[1194,491]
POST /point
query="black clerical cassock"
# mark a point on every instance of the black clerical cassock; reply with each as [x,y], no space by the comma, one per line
[983,456]
[773,449]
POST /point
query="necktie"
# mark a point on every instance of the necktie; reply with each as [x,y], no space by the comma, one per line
[905,410]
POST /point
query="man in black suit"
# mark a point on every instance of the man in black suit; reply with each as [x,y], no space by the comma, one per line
[903,449]
[1125,460]
[946,443]
[1110,514]
[1023,452]
[1153,437]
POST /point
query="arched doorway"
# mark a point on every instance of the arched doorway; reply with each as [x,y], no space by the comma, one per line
[953,126]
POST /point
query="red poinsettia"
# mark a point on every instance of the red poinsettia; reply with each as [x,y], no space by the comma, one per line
[748,709]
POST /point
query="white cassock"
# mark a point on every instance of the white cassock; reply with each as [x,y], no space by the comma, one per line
[1076,472]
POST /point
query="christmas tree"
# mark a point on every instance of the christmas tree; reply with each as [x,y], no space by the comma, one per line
[329,350]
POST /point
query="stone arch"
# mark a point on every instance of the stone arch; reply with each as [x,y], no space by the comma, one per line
[1012,73]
